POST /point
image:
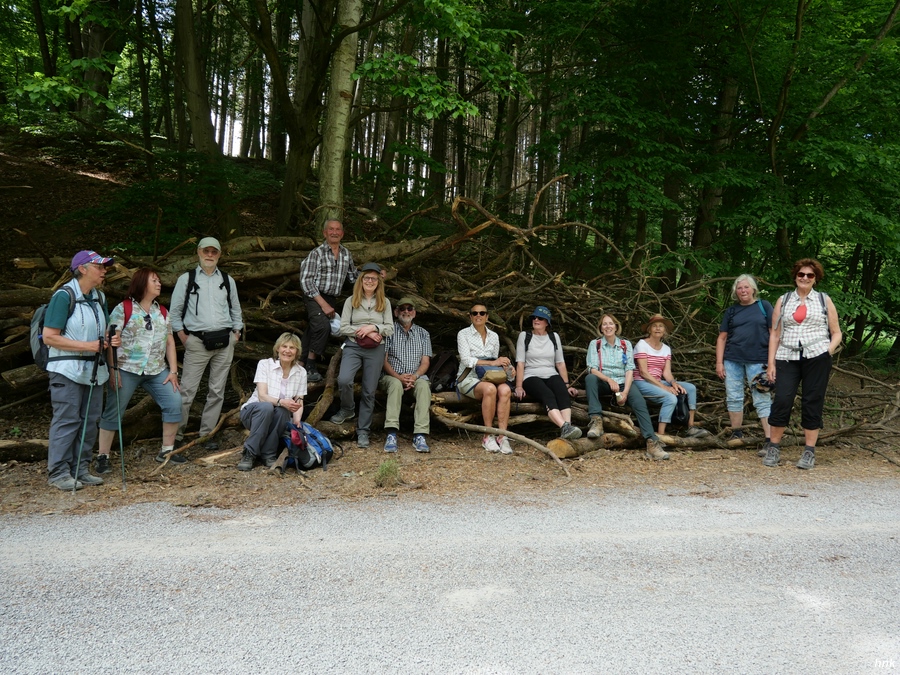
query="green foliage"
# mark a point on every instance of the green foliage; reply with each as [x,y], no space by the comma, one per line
[433,96]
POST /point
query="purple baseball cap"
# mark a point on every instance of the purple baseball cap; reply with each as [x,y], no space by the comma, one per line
[87,257]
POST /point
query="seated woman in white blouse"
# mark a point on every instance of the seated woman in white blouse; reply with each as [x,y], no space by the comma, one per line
[277,399]
[478,345]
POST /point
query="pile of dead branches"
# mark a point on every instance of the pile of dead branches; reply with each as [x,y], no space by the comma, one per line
[486,260]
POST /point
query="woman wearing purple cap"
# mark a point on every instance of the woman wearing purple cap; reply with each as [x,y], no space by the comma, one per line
[541,372]
[76,339]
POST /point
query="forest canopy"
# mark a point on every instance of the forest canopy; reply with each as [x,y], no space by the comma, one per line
[698,140]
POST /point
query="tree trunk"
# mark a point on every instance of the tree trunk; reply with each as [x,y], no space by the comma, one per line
[393,134]
[144,87]
[165,78]
[200,121]
[508,155]
[340,98]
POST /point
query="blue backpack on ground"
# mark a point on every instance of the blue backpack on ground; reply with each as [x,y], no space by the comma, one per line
[307,447]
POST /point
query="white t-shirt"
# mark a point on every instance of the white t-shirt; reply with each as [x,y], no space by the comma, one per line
[541,358]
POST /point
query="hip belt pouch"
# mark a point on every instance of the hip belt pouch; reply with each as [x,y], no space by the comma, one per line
[216,339]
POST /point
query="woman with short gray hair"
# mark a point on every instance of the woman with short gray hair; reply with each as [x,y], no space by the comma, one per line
[742,350]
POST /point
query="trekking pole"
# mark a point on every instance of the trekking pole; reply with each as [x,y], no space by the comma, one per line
[118,383]
[86,411]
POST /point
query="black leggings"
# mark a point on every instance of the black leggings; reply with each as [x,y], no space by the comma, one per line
[813,373]
[552,392]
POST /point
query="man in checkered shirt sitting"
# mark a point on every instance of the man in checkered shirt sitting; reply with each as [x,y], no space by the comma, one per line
[406,360]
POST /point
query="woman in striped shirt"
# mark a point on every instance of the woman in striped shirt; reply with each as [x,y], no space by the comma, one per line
[653,375]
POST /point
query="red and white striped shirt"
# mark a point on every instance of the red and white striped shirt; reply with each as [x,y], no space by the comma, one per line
[656,359]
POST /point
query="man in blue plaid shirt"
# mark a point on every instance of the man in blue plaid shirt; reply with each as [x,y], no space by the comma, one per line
[322,276]
[406,360]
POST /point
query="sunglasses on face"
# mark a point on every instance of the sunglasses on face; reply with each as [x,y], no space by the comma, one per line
[478,313]
[148,323]
[806,275]
[406,308]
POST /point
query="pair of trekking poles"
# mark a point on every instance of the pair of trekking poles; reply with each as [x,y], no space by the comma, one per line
[93,383]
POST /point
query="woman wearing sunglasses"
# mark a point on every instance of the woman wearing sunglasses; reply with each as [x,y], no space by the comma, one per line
[146,359]
[478,345]
[541,372]
[805,333]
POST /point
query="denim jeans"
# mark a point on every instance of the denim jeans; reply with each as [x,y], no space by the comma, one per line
[666,398]
[596,388]
[168,400]
[735,375]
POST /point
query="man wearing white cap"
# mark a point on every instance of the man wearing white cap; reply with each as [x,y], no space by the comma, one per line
[206,317]
[74,331]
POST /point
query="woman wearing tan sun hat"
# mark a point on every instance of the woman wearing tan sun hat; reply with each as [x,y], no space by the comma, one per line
[653,375]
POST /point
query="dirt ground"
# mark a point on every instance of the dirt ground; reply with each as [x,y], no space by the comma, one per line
[38,185]
[456,467]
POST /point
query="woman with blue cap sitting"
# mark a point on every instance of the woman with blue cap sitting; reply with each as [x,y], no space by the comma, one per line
[541,372]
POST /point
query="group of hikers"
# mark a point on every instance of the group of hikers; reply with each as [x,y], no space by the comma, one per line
[770,348]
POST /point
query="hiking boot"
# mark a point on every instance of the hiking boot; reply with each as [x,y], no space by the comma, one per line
[655,450]
[569,432]
[246,463]
[362,439]
[211,446]
[736,435]
[390,443]
[420,444]
[596,428]
[88,479]
[173,458]
[762,451]
[270,462]
[696,432]
[66,483]
[773,455]
[506,448]
[807,459]
[342,416]
[101,464]
[312,375]
[490,444]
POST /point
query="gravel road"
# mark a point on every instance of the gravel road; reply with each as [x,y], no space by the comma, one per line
[783,579]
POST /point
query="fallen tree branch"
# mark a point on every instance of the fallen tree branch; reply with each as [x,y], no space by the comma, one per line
[440,415]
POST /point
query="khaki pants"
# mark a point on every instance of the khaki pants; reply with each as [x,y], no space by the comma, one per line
[196,359]
[422,392]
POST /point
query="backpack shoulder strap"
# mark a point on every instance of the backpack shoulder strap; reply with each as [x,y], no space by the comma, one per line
[128,307]
[762,309]
[528,336]
[191,282]
[226,282]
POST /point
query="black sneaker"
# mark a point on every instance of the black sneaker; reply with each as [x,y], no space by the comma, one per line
[312,375]
[173,459]
[101,464]
[246,463]
[211,446]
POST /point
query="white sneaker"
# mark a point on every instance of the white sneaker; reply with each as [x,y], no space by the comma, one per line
[505,447]
[490,444]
